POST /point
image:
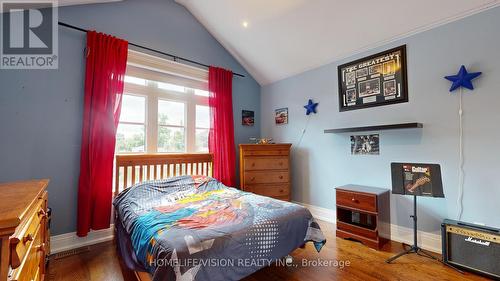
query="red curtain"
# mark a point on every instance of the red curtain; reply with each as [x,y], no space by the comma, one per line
[221,136]
[104,75]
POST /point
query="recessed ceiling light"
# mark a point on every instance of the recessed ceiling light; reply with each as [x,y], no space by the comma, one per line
[245,24]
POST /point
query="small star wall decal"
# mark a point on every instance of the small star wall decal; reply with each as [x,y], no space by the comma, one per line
[311,107]
[462,79]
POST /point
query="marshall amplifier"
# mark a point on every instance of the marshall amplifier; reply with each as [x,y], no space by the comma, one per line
[472,247]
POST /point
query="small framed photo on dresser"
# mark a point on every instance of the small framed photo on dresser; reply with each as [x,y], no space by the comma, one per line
[376,80]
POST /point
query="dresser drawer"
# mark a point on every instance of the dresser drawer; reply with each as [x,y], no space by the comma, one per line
[21,241]
[23,228]
[357,200]
[29,270]
[273,190]
[254,177]
[266,153]
[265,163]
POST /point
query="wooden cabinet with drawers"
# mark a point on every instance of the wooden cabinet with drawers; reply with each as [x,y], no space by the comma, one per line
[23,230]
[265,169]
[363,214]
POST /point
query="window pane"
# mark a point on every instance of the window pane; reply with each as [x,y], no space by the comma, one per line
[202,93]
[202,117]
[130,138]
[170,113]
[171,87]
[202,140]
[171,139]
[135,80]
[133,109]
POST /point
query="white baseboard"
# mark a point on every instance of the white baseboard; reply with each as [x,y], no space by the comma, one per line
[70,241]
[428,241]
[320,213]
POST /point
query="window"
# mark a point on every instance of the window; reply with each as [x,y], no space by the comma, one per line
[171,126]
[131,133]
[201,93]
[171,87]
[202,127]
[164,107]
[135,80]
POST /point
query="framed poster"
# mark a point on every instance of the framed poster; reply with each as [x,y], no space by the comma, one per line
[376,80]
[247,118]
[281,116]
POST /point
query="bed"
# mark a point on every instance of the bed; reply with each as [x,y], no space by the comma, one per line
[173,221]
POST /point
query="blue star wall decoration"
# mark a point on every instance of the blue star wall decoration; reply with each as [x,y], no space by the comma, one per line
[311,107]
[462,79]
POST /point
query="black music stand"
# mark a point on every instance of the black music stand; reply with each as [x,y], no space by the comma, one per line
[416,179]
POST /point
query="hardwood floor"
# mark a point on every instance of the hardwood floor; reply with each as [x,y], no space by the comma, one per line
[101,262]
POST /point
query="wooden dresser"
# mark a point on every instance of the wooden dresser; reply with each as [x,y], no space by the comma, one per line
[363,214]
[265,169]
[23,230]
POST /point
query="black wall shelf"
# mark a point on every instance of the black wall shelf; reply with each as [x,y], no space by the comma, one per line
[376,128]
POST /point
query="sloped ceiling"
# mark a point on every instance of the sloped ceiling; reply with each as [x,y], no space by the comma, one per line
[287,37]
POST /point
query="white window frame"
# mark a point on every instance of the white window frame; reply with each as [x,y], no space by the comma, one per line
[153,94]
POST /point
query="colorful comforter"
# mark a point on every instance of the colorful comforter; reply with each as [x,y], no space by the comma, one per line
[196,228]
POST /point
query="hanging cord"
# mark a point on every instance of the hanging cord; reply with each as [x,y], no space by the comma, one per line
[461,160]
[303,132]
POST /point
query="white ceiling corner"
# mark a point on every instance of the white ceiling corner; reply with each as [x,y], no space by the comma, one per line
[287,37]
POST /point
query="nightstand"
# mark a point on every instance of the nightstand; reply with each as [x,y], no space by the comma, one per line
[363,214]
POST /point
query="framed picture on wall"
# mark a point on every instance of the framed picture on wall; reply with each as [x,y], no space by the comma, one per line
[376,80]
[281,116]
[247,117]
[365,145]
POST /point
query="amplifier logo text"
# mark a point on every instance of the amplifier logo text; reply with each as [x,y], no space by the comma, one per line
[477,241]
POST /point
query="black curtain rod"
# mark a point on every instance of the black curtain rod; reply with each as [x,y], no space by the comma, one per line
[175,58]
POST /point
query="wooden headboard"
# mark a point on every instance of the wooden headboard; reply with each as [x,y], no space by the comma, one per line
[134,168]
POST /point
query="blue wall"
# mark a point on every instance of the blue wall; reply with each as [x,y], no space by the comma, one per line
[41,110]
[323,161]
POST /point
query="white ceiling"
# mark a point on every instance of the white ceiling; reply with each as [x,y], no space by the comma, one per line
[287,37]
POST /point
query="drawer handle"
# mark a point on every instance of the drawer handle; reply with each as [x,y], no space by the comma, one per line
[27,238]
[252,179]
[253,164]
[281,163]
[354,200]
[42,213]
[41,247]
[281,191]
[281,177]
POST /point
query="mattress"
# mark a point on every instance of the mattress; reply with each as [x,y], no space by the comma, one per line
[196,228]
